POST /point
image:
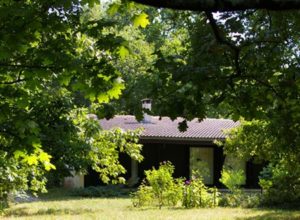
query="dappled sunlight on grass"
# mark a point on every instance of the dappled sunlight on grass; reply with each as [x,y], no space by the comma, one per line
[22,212]
[65,207]
[274,215]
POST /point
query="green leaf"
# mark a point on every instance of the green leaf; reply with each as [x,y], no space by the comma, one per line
[123,52]
[141,20]
[105,78]
[22,102]
[278,74]
[103,98]
[32,124]
[31,160]
[44,157]
[33,141]
[91,95]
[47,61]
[116,91]
[37,145]
[113,9]
[65,80]
[49,166]
[18,154]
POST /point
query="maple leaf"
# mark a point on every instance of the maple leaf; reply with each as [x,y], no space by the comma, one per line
[141,20]
[123,52]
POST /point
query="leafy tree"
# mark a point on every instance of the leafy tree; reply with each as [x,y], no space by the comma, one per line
[164,38]
[246,62]
[57,67]
[280,178]
[57,56]
[229,5]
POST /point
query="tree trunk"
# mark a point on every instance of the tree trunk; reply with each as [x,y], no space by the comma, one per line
[223,5]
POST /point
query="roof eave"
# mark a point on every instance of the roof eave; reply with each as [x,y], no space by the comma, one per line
[181,138]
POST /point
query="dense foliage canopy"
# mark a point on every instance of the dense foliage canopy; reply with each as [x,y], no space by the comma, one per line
[57,67]
[224,5]
[237,64]
[62,60]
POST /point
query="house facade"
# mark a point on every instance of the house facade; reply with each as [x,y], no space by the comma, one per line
[193,149]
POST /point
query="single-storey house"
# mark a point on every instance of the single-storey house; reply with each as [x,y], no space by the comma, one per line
[192,149]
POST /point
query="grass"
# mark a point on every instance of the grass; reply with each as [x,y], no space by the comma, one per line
[58,205]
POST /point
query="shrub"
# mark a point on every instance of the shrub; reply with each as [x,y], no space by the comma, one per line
[251,200]
[143,196]
[160,180]
[163,189]
[159,187]
[232,179]
[174,193]
[280,183]
[196,194]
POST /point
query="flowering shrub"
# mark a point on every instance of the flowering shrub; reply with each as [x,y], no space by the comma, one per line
[160,188]
[196,194]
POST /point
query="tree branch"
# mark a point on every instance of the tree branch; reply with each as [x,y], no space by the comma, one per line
[24,66]
[222,40]
[236,56]
[267,85]
[223,5]
[14,81]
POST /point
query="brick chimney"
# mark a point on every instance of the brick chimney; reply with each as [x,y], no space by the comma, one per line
[146,104]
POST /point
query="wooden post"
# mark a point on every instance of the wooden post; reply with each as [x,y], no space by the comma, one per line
[134,173]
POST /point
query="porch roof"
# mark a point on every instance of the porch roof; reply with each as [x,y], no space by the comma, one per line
[165,128]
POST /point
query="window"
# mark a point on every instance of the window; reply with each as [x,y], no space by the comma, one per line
[202,160]
[235,163]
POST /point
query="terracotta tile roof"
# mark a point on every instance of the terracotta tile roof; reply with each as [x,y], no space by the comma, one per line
[165,128]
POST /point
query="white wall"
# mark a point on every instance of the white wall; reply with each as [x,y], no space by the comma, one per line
[76,181]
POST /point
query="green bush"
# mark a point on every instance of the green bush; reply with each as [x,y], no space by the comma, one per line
[143,196]
[196,194]
[232,179]
[280,183]
[174,193]
[251,200]
[159,187]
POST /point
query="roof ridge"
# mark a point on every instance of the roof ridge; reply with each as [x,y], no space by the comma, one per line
[157,116]
[209,128]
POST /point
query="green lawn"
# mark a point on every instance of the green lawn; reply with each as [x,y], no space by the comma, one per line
[55,207]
